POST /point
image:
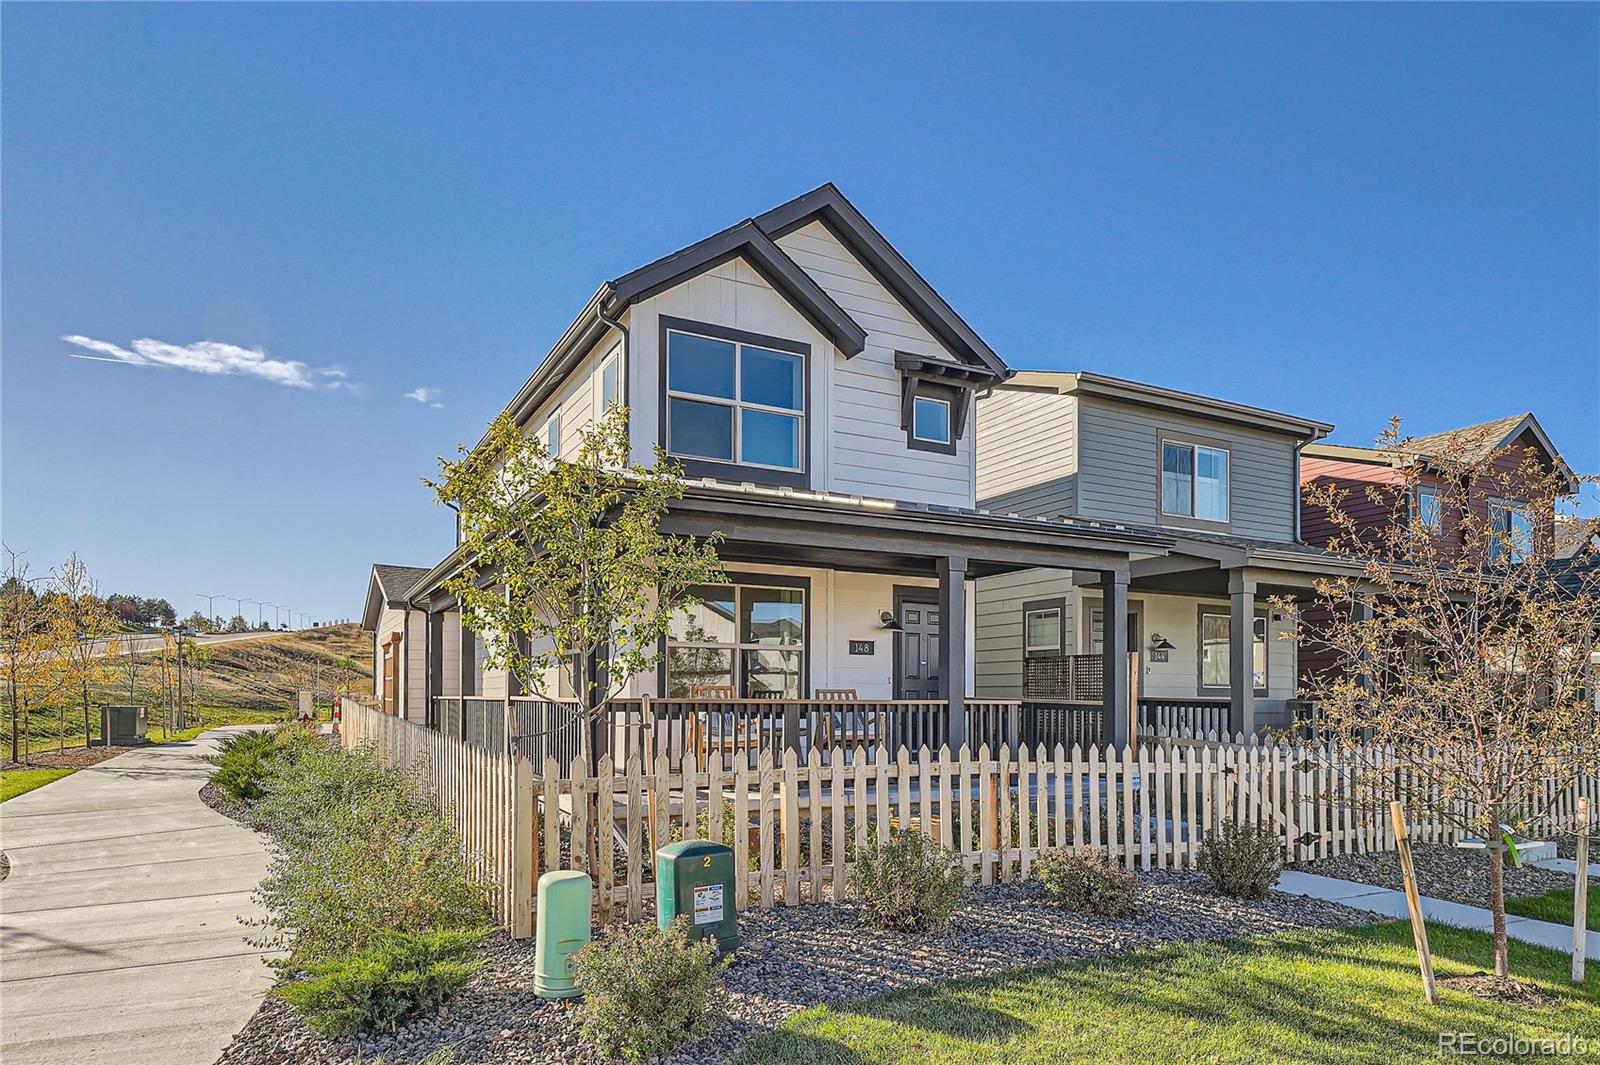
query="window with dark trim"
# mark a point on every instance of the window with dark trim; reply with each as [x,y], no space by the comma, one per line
[1510,530]
[751,636]
[1215,651]
[1194,481]
[1044,629]
[1427,506]
[933,415]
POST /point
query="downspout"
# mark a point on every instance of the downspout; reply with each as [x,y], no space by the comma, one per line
[598,729]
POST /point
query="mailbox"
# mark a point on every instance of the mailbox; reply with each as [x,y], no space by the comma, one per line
[695,878]
[561,928]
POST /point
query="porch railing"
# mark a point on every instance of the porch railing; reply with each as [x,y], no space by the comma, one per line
[742,729]
[1070,678]
[1198,716]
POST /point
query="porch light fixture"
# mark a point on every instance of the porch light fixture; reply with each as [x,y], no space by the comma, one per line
[1159,642]
[889,620]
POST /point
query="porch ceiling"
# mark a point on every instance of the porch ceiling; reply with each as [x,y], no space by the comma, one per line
[846,532]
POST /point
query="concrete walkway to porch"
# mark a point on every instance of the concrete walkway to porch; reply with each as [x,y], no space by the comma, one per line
[1391,903]
[119,920]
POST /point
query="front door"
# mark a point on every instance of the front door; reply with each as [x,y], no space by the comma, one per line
[917,663]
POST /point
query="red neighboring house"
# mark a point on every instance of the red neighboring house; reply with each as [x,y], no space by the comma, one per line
[1511,440]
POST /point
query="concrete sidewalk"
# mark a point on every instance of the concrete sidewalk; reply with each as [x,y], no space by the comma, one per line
[1392,903]
[119,931]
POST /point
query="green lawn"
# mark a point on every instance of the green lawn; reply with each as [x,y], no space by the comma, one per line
[1556,906]
[1347,996]
[20,781]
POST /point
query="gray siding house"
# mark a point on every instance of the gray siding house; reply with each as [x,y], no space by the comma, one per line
[1219,479]
[819,394]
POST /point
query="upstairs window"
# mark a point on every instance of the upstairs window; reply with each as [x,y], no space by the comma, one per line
[610,382]
[1510,532]
[1427,506]
[1194,481]
[930,420]
[552,435]
[729,401]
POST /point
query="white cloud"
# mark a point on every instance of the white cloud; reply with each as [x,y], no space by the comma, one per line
[427,396]
[213,357]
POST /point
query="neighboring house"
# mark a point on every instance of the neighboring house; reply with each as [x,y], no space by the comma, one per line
[398,666]
[1354,470]
[1371,481]
[819,393]
[1219,480]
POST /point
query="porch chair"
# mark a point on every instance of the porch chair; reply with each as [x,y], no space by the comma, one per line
[728,738]
[842,726]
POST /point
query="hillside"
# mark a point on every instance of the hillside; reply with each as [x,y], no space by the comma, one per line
[266,674]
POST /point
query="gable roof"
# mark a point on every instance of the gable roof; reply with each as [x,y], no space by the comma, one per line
[747,240]
[388,586]
[1123,391]
[847,223]
[754,239]
[1472,443]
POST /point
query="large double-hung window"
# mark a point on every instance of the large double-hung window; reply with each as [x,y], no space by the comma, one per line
[1194,481]
[736,402]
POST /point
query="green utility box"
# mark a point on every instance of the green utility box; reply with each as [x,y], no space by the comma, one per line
[562,926]
[695,878]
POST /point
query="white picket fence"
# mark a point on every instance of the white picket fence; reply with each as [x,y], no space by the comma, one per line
[795,826]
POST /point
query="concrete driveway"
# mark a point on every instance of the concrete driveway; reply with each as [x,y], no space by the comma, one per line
[119,931]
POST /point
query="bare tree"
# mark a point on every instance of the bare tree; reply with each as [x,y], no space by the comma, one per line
[86,655]
[30,635]
[1463,647]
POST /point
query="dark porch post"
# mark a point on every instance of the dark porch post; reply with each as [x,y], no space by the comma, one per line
[435,623]
[469,660]
[1241,651]
[953,646]
[1114,655]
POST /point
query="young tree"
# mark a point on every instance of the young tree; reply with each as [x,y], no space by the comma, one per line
[88,652]
[1463,646]
[567,555]
[30,634]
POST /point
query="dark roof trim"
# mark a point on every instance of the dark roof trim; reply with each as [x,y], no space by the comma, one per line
[745,240]
[963,374]
[852,228]
[1169,399]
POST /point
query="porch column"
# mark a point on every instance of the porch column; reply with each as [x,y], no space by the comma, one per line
[469,660]
[435,622]
[953,646]
[1114,655]
[1241,651]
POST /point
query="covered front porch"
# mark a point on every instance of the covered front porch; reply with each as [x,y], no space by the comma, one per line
[847,625]
[1211,647]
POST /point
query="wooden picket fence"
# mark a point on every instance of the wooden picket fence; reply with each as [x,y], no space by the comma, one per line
[794,825]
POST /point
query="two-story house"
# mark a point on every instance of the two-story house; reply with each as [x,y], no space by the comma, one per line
[819,394]
[1220,480]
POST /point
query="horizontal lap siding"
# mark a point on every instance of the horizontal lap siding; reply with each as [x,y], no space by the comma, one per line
[997,652]
[1027,457]
[1119,456]
[1353,479]
[868,454]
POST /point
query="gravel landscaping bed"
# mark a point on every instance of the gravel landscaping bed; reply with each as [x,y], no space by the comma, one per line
[230,808]
[791,959]
[1443,872]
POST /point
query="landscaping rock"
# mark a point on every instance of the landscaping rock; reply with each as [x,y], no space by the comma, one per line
[793,958]
[1443,872]
[233,809]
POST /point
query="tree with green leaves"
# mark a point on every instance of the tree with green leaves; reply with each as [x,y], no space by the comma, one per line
[565,562]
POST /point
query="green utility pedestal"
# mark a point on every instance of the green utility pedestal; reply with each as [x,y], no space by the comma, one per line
[695,878]
[561,928]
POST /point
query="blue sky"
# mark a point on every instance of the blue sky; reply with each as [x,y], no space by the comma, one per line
[1343,212]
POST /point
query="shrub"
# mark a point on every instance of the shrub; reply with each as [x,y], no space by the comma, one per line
[1085,881]
[907,882]
[245,761]
[361,852]
[647,989]
[375,989]
[1242,860]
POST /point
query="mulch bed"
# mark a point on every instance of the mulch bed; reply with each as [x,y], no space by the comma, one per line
[71,758]
[1495,989]
[793,958]
[1443,872]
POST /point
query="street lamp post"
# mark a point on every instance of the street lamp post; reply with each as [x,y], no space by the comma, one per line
[259,604]
[211,614]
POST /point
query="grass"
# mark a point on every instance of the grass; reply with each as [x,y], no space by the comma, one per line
[21,781]
[1342,996]
[1556,906]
